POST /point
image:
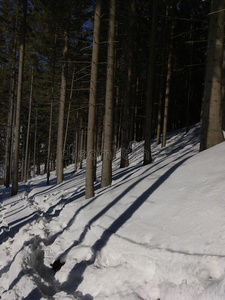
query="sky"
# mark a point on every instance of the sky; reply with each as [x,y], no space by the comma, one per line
[156,233]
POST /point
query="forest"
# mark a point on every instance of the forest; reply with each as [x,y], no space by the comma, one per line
[82,79]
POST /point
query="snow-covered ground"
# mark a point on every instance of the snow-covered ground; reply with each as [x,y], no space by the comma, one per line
[157,233]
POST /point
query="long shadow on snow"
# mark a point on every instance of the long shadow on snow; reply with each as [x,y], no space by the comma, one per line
[79,269]
[13,230]
[76,274]
[34,294]
[154,164]
[65,201]
[53,184]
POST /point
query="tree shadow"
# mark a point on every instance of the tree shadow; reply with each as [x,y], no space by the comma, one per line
[76,274]
[11,231]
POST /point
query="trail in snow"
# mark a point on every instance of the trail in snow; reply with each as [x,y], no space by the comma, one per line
[154,234]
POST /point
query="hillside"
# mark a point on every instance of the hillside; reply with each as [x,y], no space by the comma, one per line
[156,233]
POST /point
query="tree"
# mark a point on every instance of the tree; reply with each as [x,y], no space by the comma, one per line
[26,166]
[9,142]
[18,104]
[168,86]
[211,133]
[150,87]
[62,99]
[89,183]
[108,124]
[124,162]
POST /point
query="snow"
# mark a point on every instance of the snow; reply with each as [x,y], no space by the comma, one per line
[156,233]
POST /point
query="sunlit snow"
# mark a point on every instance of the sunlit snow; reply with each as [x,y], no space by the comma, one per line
[157,233]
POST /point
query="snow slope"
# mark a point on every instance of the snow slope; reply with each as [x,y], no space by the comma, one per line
[156,233]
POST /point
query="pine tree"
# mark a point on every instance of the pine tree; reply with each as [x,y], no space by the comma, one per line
[89,184]
[211,133]
[150,86]
[108,124]
[63,99]
[19,98]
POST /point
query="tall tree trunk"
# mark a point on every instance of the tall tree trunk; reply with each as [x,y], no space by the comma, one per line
[161,93]
[28,127]
[189,86]
[62,100]
[211,133]
[50,137]
[116,123]
[150,88]
[81,142]
[18,104]
[89,184]
[76,151]
[68,113]
[51,113]
[223,91]
[7,174]
[35,140]
[124,162]
[108,128]
[168,83]
[9,133]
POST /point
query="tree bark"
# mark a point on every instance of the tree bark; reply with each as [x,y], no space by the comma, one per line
[223,91]
[35,140]
[108,126]
[28,127]
[89,184]
[9,137]
[168,83]
[62,101]
[81,154]
[49,140]
[211,131]
[51,113]
[68,113]
[18,104]
[150,88]
[124,162]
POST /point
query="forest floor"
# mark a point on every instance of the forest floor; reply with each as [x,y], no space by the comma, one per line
[158,232]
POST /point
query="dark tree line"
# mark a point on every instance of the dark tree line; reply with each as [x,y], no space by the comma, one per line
[80,79]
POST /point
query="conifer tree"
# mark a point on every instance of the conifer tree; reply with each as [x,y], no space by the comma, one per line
[63,99]
[211,133]
[89,184]
[108,124]
[19,98]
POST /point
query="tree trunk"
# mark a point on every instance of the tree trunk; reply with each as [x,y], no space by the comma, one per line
[89,184]
[51,114]
[116,123]
[28,127]
[223,91]
[76,151]
[108,128]
[62,100]
[161,92]
[35,140]
[168,83]
[9,137]
[211,132]
[68,113]
[150,88]
[18,104]
[124,162]
[49,139]
[81,142]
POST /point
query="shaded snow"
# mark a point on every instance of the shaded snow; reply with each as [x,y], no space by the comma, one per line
[156,233]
